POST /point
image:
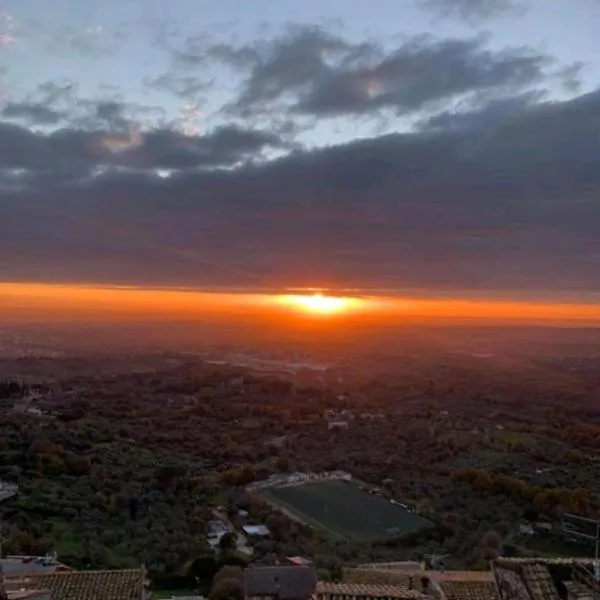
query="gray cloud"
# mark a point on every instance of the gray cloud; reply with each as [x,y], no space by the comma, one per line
[482,117]
[95,41]
[50,104]
[33,114]
[73,153]
[503,197]
[59,103]
[474,11]
[183,86]
[312,72]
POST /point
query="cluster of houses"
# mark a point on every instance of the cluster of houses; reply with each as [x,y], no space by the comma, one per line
[279,480]
[244,536]
[296,578]
[507,579]
[530,529]
[44,578]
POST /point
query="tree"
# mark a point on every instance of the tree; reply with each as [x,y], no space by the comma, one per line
[203,568]
[228,542]
[234,572]
[227,589]
[228,584]
[77,465]
[491,545]
[282,464]
[165,475]
[277,525]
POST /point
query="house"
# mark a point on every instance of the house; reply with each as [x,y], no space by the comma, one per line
[127,584]
[18,565]
[256,530]
[8,490]
[346,591]
[543,526]
[466,589]
[216,530]
[298,560]
[545,578]
[280,582]
[401,565]
[439,585]
[526,530]
[337,425]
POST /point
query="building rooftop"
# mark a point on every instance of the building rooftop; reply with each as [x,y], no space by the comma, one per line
[29,595]
[298,560]
[461,576]
[287,582]
[403,565]
[359,590]
[127,584]
[8,490]
[261,530]
[413,579]
[407,579]
[468,590]
[13,565]
[545,579]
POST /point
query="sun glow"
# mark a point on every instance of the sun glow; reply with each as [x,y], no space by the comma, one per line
[319,304]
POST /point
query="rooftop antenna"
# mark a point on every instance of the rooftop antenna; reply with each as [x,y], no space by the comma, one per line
[436,560]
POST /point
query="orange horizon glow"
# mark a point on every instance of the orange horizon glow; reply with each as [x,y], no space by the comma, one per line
[319,303]
[49,300]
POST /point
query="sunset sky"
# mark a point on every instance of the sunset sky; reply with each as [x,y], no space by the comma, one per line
[431,148]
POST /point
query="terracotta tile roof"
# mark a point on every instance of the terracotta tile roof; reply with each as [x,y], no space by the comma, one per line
[12,565]
[367,591]
[559,560]
[287,581]
[298,560]
[28,595]
[462,576]
[407,579]
[546,578]
[127,584]
[402,565]
[468,590]
[540,581]
[391,577]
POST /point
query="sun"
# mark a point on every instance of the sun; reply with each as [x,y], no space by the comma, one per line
[318,304]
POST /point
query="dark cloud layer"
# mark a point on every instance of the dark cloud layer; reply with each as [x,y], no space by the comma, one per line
[503,199]
[496,191]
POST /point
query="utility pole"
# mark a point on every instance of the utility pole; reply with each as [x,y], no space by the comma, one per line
[575,529]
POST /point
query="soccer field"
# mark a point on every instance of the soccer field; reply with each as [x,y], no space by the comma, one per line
[345,511]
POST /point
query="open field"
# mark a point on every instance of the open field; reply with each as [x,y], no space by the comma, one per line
[344,511]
